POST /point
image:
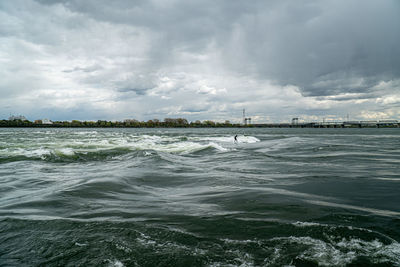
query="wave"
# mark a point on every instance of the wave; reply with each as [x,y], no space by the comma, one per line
[103,149]
[338,253]
[133,242]
[324,245]
[86,145]
[388,213]
[230,139]
[283,144]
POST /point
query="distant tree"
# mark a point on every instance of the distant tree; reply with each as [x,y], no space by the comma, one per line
[76,123]
[182,122]
[208,123]
[150,123]
[168,122]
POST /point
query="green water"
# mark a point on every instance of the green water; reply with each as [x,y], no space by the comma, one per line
[193,197]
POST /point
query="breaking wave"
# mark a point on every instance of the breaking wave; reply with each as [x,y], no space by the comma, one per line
[87,145]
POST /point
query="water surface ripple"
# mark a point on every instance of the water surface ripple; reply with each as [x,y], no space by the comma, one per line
[194,197]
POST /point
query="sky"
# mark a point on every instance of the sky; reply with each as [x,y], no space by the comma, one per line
[200,60]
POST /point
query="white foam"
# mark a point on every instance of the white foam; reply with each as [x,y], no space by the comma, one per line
[219,147]
[115,263]
[65,151]
[151,138]
[40,152]
[248,139]
[242,259]
[123,247]
[101,142]
[85,132]
[311,224]
[306,224]
[232,241]
[343,252]
[184,147]
[280,144]
[228,139]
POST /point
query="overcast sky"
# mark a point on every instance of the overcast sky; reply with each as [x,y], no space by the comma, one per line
[101,59]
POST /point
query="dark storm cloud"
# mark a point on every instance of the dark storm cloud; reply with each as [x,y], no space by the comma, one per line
[138,91]
[320,46]
[324,52]
[84,69]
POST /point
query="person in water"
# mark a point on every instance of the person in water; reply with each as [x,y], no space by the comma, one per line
[235,139]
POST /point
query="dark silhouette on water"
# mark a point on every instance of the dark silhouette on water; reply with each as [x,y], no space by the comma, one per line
[235,139]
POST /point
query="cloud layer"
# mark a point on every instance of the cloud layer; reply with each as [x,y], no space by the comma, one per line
[200,59]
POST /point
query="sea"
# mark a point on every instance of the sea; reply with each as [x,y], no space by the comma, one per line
[195,197]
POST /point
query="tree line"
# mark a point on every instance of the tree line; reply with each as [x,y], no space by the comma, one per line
[167,123]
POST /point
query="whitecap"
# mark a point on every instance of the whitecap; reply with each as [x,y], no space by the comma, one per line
[344,251]
[115,263]
[85,132]
[40,152]
[306,224]
[65,152]
[219,147]
[228,139]
[176,147]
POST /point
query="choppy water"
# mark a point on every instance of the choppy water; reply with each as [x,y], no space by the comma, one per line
[192,197]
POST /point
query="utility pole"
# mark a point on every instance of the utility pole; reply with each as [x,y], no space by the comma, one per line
[245,120]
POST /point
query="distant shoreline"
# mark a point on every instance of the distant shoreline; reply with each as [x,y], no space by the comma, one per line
[182,123]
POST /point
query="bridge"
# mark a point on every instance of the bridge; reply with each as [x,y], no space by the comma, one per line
[334,124]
